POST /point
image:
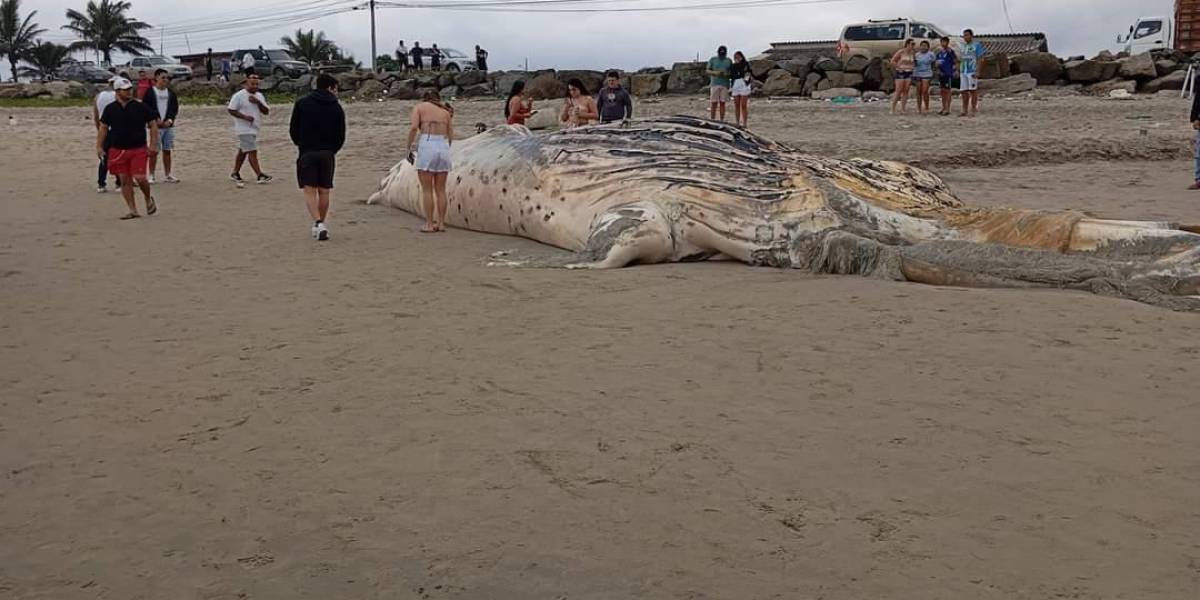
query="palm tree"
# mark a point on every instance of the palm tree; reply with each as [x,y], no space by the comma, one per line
[311,47]
[16,36]
[45,58]
[105,27]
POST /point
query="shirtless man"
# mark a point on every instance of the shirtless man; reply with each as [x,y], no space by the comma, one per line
[433,122]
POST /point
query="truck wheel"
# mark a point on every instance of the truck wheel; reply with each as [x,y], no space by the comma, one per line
[453,68]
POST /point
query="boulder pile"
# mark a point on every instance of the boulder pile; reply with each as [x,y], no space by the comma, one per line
[817,76]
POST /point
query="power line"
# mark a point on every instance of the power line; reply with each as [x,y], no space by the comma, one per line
[1008,18]
[521,6]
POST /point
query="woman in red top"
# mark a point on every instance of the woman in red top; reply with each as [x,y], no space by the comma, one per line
[518,108]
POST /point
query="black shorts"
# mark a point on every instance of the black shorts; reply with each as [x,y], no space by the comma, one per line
[315,169]
[946,83]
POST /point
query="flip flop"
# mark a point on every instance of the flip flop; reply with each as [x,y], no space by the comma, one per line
[131,216]
[151,206]
[428,229]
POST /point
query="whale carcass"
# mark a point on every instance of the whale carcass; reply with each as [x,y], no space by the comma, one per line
[680,189]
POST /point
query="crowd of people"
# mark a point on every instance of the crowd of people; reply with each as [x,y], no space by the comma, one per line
[919,65]
[414,58]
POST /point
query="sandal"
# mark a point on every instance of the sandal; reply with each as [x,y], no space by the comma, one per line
[429,229]
[131,216]
[151,207]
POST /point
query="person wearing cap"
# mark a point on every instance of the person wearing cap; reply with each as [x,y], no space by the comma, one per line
[103,99]
[123,125]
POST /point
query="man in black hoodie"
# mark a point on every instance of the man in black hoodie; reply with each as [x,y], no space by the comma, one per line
[318,129]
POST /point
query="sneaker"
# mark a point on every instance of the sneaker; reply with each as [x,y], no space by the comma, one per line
[151,180]
[322,232]
[171,179]
[235,177]
[264,178]
[100,189]
[1195,186]
[315,229]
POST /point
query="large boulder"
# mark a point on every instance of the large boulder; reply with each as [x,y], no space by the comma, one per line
[269,84]
[782,83]
[545,87]
[832,93]
[371,88]
[994,66]
[467,78]
[842,79]
[478,90]
[305,81]
[11,91]
[687,78]
[421,91]
[827,65]
[856,64]
[424,79]
[1104,88]
[1043,66]
[811,82]
[1086,71]
[35,90]
[505,81]
[348,81]
[1015,84]
[1165,66]
[1140,67]
[648,84]
[1105,56]
[1170,81]
[761,67]
[797,67]
[446,79]
[450,92]
[400,90]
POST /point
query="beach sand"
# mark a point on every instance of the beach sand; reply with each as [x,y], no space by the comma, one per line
[208,404]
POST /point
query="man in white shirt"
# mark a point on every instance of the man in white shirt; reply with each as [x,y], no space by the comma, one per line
[248,63]
[166,104]
[248,107]
[103,99]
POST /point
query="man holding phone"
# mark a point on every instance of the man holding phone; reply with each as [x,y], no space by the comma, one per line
[248,107]
[613,102]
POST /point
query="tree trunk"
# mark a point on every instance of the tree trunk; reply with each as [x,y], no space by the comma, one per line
[13,62]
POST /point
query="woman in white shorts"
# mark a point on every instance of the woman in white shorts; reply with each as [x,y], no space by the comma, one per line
[741,76]
[433,130]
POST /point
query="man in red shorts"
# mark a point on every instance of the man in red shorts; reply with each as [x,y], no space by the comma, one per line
[124,123]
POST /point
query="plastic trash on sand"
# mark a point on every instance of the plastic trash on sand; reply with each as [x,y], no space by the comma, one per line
[844,100]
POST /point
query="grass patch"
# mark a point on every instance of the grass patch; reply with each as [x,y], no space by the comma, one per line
[48,102]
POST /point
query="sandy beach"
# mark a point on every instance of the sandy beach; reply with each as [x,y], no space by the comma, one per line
[208,404]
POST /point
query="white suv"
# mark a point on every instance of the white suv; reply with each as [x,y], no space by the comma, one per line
[882,38]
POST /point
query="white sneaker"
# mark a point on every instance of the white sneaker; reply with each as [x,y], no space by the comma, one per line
[171,179]
[315,230]
[151,180]
[322,232]
[100,189]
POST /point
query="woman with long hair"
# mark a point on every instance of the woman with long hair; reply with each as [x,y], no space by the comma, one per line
[432,121]
[904,61]
[518,107]
[741,76]
[579,107]
[923,75]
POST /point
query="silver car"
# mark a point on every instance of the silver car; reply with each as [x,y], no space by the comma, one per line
[154,63]
[453,60]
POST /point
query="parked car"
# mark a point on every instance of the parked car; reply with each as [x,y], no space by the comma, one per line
[882,38]
[272,62]
[154,63]
[84,73]
[454,60]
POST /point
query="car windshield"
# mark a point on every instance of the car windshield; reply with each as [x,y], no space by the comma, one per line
[874,33]
[158,60]
[452,53]
[1147,28]
[279,55]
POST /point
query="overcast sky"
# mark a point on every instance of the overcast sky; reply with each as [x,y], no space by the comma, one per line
[628,40]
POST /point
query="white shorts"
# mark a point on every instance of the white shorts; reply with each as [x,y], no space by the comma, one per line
[741,88]
[248,142]
[433,154]
[969,82]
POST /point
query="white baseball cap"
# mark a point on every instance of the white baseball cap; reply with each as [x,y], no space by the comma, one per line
[120,83]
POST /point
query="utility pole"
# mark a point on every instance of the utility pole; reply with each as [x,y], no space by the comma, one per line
[373,52]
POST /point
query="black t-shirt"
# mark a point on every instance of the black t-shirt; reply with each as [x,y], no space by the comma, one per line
[127,124]
[739,70]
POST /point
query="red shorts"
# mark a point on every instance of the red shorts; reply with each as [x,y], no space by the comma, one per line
[130,162]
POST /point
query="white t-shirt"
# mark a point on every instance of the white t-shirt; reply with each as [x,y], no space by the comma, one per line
[103,99]
[241,103]
[162,97]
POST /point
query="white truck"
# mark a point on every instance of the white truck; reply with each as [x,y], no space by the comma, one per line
[1146,34]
